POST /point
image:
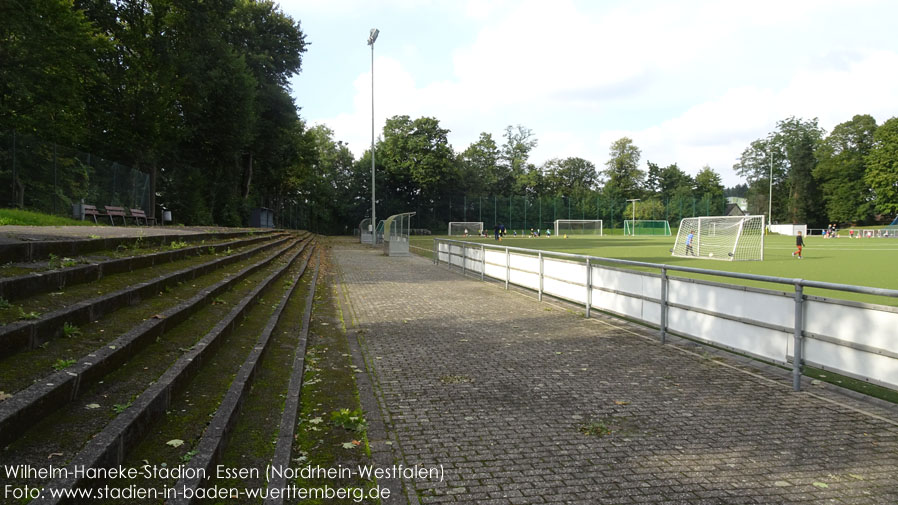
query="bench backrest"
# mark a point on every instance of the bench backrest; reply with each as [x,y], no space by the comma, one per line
[137,213]
[89,209]
[115,211]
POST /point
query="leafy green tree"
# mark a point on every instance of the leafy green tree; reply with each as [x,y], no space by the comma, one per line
[709,189]
[882,167]
[652,208]
[479,165]
[841,169]
[573,177]
[334,195]
[671,178]
[514,154]
[653,179]
[134,103]
[789,152]
[417,158]
[739,190]
[799,140]
[624,178]
[761,158]
[48,60]
[536,182]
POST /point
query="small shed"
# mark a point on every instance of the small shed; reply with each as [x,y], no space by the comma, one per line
[262,217]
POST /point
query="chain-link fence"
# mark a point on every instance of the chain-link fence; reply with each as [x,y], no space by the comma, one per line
[540,212]
[43,176]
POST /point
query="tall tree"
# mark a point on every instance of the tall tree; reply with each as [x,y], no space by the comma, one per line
[799,140]
[479,164]
[624,178]
[841,168]
[572,177]
[789,154]
[760,161]
[653,179]
[709,189]
[417,158]
[882,167]
[335,197]
[514,156]
[48,60]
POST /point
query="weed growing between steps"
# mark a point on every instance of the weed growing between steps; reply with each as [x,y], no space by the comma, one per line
[70,295]
[89,413]
[195,405]
[329,387]
[19,370]
[252,442]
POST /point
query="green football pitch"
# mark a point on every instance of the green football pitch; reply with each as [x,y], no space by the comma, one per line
[860,262]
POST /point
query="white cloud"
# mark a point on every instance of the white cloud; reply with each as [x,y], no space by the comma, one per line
[691,83]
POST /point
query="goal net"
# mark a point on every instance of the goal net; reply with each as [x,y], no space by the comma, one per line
[647,227]
[459,228]
[721,238]
[578,227]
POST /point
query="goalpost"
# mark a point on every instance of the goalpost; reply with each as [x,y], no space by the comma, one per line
[578,227]
[458,227]
[647,227]
[726,238]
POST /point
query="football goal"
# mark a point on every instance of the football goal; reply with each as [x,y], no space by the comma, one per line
[647,227]
[578,227]
[721,238]
[460,228]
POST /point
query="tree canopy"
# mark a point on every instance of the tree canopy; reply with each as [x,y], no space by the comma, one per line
[196,94]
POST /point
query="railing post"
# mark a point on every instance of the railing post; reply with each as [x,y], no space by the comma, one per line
[507,267]
[664,288]
[588,287]
[796,342]
[483,261]
[464,259]
[540,276]
[436,249]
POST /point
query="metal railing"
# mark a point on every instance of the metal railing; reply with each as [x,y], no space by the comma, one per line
[851,338]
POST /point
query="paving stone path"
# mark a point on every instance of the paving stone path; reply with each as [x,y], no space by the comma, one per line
[525,402]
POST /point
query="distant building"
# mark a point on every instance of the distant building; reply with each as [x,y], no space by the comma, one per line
[733,209]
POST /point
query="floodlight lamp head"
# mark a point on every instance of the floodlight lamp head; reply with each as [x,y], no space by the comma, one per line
[373,36]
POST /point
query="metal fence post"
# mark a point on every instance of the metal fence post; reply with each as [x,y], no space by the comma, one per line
[464,259]
[588,287]
[483,261]
[664,288]
[507,267]
[796,343]
[540,276]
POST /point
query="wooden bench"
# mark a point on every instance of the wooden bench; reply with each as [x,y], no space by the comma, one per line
[115,212]
[91,210]
[138,214]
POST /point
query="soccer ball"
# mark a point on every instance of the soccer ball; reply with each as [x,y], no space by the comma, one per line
[710,255]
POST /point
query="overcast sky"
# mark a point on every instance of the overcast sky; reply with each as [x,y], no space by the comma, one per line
[691,82]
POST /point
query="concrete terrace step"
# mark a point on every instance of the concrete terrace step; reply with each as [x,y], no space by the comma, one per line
[22,286]
[62,387]
[35,246]
[30,334]
[110,446]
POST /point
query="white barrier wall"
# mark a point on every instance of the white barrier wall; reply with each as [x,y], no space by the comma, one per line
[855,339]
[789,229]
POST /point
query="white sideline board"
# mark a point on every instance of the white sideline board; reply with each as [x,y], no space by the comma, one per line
[848,337]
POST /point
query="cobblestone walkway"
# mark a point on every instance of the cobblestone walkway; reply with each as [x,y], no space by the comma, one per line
[526,402]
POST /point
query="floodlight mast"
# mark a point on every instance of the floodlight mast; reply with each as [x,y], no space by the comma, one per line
[770,194]
[372,36]
[633,226]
